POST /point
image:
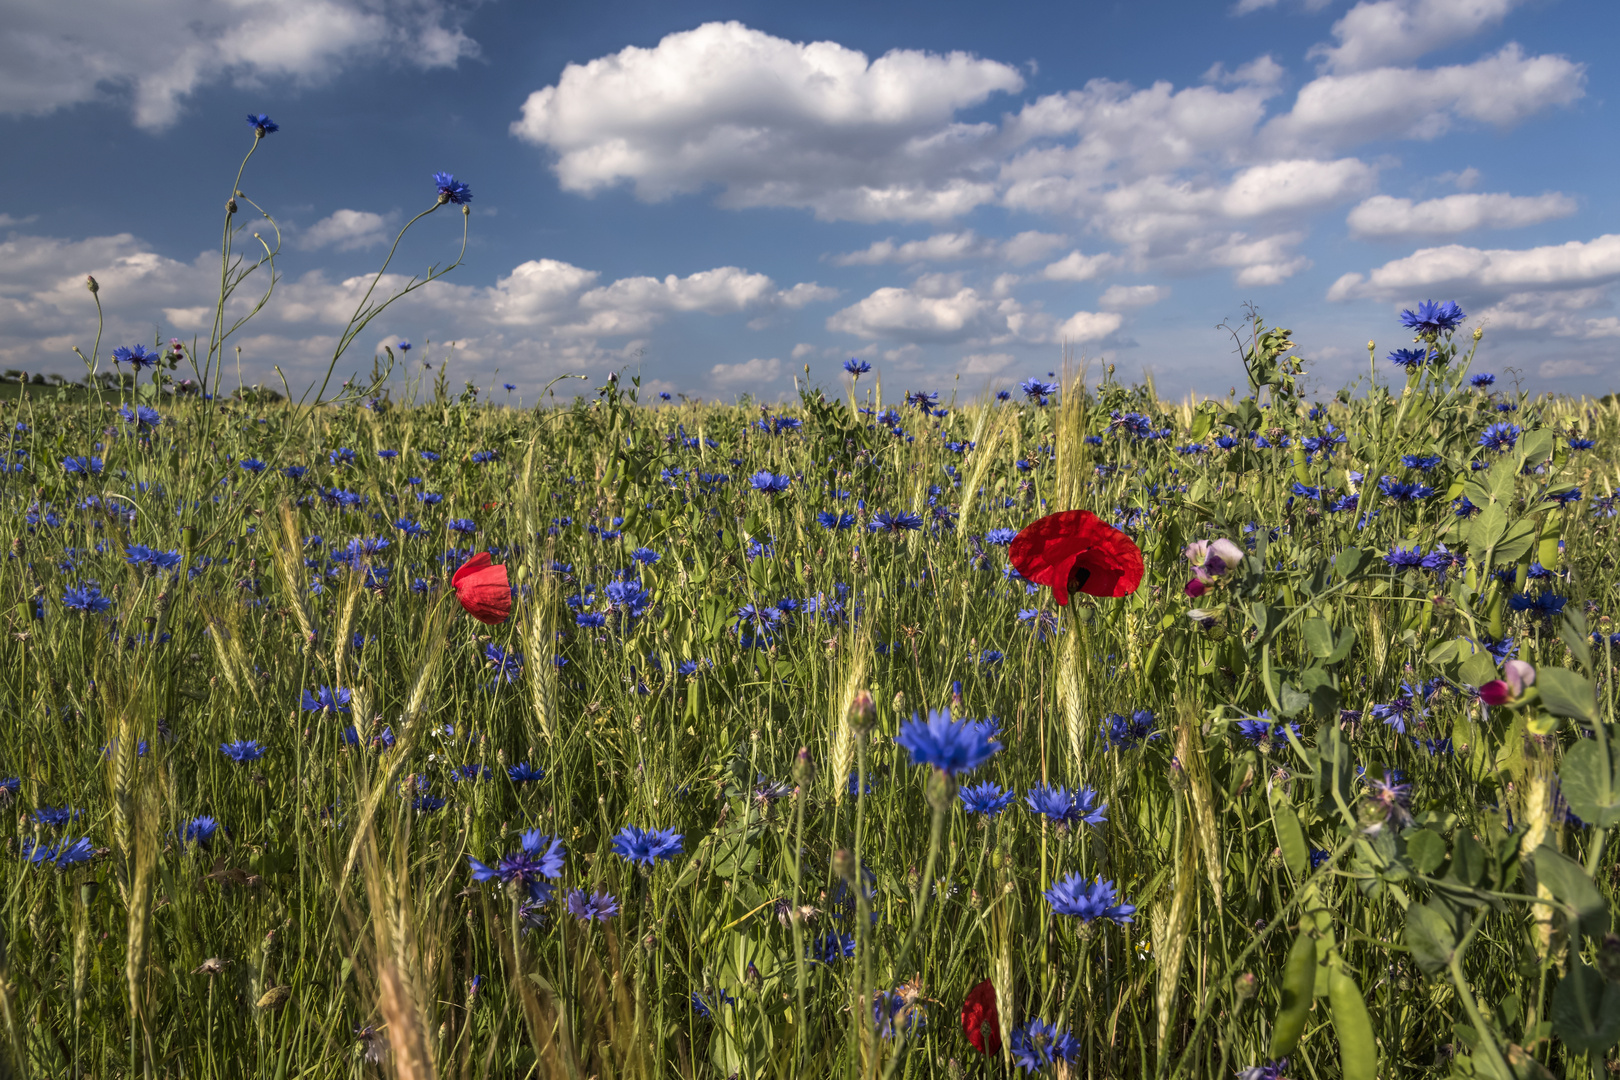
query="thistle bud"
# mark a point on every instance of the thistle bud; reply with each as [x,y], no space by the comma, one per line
[90,283]
[230,206]
[804,770]
[1245,986]
[899,702]
[843,865]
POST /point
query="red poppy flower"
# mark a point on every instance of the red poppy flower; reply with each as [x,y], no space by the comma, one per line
[483,589]
[1075,552]
[980,1021]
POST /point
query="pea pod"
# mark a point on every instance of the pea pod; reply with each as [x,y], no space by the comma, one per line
[1358,1053]
[1299,984]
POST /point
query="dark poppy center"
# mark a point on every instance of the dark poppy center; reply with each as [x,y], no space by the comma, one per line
[1078,576]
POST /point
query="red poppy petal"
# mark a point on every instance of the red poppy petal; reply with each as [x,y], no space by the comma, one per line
[1049,549]
[980,1021]
[471,566]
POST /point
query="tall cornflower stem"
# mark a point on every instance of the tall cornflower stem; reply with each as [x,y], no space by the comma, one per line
[919,908]
[216,339]
[800,972]
[1487,1042]
[856,881]
[363,314]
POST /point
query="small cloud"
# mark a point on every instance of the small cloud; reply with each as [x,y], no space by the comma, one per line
[1077,267]
[1132,296]
[803,349]
[985,363]
[1561,369]
[747,372]
[346,230]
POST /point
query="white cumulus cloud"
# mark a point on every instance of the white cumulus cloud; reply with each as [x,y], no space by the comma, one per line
[1384,215]
[1116,297]
[346,230]
[1025,247]
[156,53]
[772,123]
[749,372]
[1377,33]
[1457,270]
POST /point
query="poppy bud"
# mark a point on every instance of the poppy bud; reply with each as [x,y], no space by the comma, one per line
[90,283]
[483,589]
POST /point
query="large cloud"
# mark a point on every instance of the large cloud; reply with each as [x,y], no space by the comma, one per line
[1377,33]
[773,123]
[158,52]
[1458,270]
[1383,215]
[938,309]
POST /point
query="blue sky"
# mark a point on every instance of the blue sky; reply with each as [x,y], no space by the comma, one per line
[719,194]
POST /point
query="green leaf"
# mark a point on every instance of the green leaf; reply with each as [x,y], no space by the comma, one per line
[1348,562]
[1586,1010]
[1299,983]
[1515,543]
[1427,850]
[1478,669]
[1290,837]
[1588,782]
[1201,424]
[1467,859]
[1573,632]
[1569,885]
[1565,693]
[1486,530]
[1358,1052]
[1341,649]
[1536,446]
[1319,637]
[1430,936]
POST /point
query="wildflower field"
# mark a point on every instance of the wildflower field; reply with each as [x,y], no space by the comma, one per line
[392,732]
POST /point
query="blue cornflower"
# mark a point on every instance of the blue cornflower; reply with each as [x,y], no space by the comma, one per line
[645,556]
[507,665]
[55,817]
[1407,708]
[926,400]
[81,466]
[326,698]
[1564,498]
[768,484]
[1501,437]
[429,455]
[539,856]
[341,456]
[629,596]
[1001,537]
[590,620]
[86,598]
[1465,507]
[1410,359]
[409,527]
[462,525]
[1127,733]
[832,947]
[1263,729]
[200,830]
[452,190]
[1306,491]
[1038,391]
[835,522]
[1036,1044]
[1421,462]
[262,125]
[1073,896]
[242,751]
[1271,1070]
[1402,491]
[252,465]
[1392,796]
[701,1006]
[404,346]
[1404,558]
[895,523]
[136,357]
[1482,381]
[990,658]
[986,798]
[295,472]
[586,907]
[646,846]
[856,366]
[469,772]
[1064,807]
[1581,444]
[1003,395]
[1436,747]
[1433,318]
[63,854]
[142,416]
[1544,604]
[513,386]
[523,773]
[953,747]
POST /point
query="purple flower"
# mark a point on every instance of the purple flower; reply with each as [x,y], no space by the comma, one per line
[1086,902]
[646,846]
[953,747]
[586,907]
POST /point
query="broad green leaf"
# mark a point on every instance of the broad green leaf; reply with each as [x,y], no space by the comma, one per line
[1430,936]
[1565,693]
[1348,562]
[1358,1052]
[1341,649]
[1290,837]
[1319,637]
[1590,784]
[1586,1010]
[1515,543]
[1299,982]
[1427,850]
[1573,632]
[1478,669]
[1467,859]
[1487,528]
[1570,885]
[1536,446]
